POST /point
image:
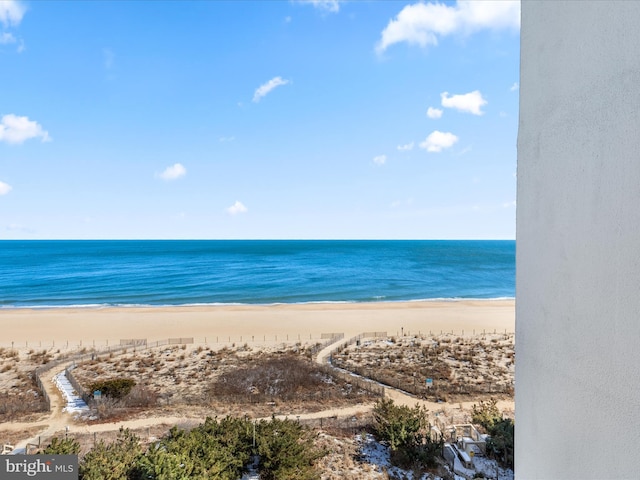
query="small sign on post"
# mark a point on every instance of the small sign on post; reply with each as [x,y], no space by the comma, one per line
[429,382]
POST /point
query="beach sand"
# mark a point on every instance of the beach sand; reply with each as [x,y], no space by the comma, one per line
[37,328]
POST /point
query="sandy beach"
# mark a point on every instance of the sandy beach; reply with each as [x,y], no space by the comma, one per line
[246,323]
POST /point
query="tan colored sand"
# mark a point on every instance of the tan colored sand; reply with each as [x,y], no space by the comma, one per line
[108,325]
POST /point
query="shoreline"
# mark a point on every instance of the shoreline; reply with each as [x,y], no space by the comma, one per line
[201,322]
[98,306]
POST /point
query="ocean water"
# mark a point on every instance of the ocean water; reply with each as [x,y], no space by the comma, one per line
[177,272]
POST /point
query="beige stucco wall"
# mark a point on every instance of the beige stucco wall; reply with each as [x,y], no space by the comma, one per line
[578,242]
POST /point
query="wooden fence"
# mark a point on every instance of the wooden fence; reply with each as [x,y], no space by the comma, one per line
[86,396]
[350,377]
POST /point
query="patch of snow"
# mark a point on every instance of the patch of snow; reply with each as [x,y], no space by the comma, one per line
[375,453]
[252,474]
[75,404]
[488,468]
[461,470]
[372,451]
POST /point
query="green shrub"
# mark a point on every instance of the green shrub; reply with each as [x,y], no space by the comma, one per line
[286,451]
[62,446]
[113,461]
[216,449]
[501,431]
[406,431]
[486,414]
[114,387]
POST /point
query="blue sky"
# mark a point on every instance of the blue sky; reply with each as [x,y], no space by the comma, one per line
[266,119]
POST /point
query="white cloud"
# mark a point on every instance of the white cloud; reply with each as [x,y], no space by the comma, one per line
[515,87]
[406,147]
[380,159]
[509,204]
[265,88]
[332,6]
[226,139]
[470,102]
[434,112]
[11,12]
[437,141]
[173,172]
[5,188]
[236,208]
[422,23]
[14,129]
[6,38]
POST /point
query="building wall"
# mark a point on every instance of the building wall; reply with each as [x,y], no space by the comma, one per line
[578,242]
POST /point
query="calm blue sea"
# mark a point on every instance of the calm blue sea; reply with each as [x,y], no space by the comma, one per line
[176,272]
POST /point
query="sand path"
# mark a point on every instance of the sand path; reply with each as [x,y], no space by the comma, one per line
[55,421]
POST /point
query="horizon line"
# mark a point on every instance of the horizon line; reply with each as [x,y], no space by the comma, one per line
[257,239]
